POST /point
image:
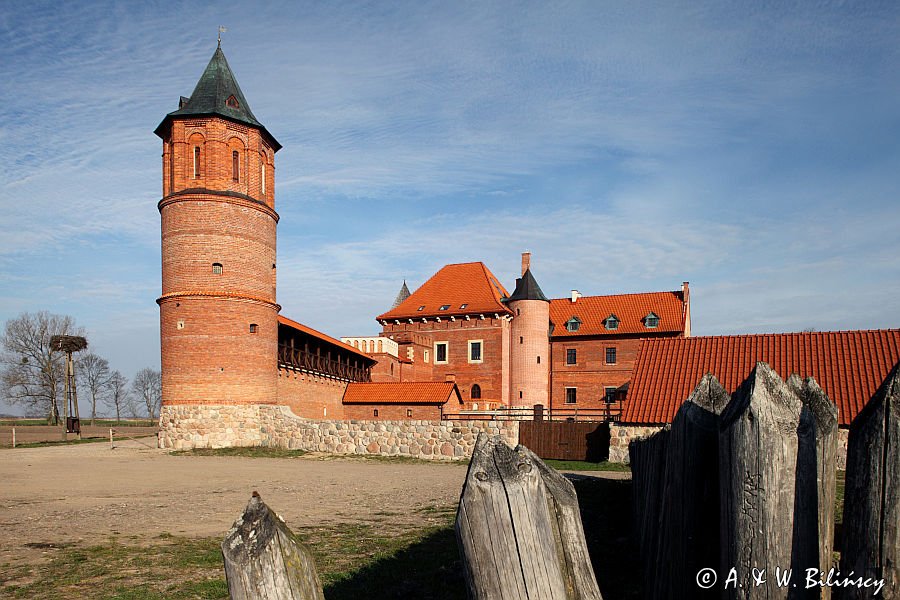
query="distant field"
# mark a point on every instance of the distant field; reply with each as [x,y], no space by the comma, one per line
[39,433]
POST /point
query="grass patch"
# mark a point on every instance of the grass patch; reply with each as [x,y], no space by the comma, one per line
[359,560]
[248,452]
[580,465]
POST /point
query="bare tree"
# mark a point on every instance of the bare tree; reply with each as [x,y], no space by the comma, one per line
[93,373]
[147,387]
[118,396]
[30,371]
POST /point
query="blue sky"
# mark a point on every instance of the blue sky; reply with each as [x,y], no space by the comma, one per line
[751,150]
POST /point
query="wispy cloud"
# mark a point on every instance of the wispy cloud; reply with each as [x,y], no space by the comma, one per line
[748,149]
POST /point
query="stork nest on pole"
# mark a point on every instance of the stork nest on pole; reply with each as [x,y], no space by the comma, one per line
[68,343]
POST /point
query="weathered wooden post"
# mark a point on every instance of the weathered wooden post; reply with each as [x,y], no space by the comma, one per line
[757,470]
[689,515]
[519,529]
[817,438]
[264,560]
[648,460]
[871,544]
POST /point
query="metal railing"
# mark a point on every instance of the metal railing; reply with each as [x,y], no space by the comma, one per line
[609,414]
[301,360]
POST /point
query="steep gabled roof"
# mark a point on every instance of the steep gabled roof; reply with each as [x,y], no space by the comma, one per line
[465,289]
[282,320]
[527,288]
[210,97]
[848,365]
[630,309]
[401,393]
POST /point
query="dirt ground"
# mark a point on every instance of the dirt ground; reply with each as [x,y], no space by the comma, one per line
[48,433]
[83,494]
[86,493]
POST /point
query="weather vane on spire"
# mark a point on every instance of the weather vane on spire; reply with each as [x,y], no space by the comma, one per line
[222,29]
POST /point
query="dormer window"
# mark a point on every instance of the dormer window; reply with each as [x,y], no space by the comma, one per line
[444,307]
[232,102]
[421,308]
[462,306]
[612,322]
[573,324]
[651,321]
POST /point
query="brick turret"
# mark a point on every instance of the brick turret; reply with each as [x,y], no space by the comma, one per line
[530,341]
[218,314]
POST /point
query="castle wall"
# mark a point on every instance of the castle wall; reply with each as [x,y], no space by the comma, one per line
[311,396]
[185,427]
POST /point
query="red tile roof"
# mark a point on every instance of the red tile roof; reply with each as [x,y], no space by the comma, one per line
[401,393]
[469,284]
[629,308]
[318,334]
[848,365]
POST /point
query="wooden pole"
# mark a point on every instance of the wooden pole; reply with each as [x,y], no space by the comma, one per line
[264,560]
[757,470]
[14,437]
[519,528]
[111,439]
[689,513]
[871,532]
[817,439]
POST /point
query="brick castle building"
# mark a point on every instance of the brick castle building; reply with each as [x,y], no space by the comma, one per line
[520,349]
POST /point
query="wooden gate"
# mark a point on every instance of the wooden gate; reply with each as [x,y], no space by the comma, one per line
[566,440]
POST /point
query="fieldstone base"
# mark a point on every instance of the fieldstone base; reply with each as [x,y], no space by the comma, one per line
[622,435]
[184,427]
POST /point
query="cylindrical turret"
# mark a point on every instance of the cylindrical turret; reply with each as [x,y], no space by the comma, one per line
[530,342]
[218,313]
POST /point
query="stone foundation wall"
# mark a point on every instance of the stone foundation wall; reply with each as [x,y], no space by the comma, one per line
[184,427]
[622,435]
[439,440]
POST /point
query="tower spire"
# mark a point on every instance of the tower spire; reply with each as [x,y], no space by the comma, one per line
[222,29]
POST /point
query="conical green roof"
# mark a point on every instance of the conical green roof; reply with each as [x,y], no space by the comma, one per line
[217,93]
[527,288]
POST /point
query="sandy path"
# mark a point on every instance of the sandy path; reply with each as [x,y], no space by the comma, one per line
[88,492]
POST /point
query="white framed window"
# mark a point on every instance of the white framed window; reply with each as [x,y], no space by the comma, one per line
[441,353]
[476,351]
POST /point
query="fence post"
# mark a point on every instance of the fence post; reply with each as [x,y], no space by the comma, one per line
[14,437]
[815,484]
[758,471]
[871,534]
[689,513]
[111,439]
[519,529]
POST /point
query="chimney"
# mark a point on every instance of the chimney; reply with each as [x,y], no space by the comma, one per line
[450,378]
[575,296]
[526,261]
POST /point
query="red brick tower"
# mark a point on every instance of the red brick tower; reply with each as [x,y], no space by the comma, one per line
[529,370]
[218,315]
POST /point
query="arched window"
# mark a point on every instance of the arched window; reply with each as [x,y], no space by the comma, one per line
[476,391]
[196,162]
[217,268]
[262,175]
[235,165]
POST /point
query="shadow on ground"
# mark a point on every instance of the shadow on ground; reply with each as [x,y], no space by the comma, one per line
[431,569]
